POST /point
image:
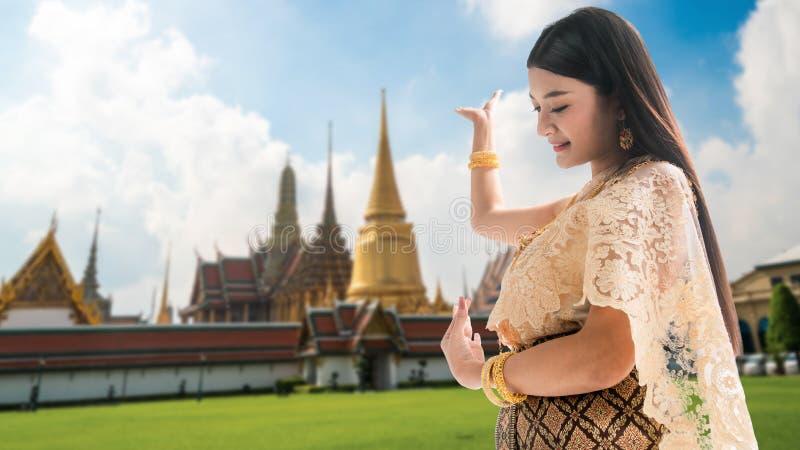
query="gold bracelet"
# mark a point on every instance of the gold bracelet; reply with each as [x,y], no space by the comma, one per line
[483,156]
[483,159]
[490,163]
[482,153]
[486,383]
[511,397]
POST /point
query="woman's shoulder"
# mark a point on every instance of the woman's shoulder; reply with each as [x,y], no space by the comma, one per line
[649,180]
[649,173]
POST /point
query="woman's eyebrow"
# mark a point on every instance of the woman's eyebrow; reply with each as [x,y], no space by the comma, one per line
[550,94]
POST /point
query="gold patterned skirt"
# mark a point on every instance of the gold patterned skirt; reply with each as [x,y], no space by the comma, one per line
[611,418]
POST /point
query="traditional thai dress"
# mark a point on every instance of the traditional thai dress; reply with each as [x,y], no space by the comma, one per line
[636,245]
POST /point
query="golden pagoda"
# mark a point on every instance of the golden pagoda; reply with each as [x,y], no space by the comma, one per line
[386,265]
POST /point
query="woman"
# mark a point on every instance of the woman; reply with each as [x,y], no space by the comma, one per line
[616,309]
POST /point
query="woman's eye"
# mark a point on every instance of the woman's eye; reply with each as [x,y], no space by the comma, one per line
[537,109]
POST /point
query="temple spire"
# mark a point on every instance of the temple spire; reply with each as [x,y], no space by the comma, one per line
[384,200]
[439,304]
[286,226]
[90,284]
[329,214]
[53,223]
[165,312]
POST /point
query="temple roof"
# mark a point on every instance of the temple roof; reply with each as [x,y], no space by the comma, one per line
[366,326]
[45,281]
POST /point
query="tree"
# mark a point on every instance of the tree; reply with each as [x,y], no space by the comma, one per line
[783,331]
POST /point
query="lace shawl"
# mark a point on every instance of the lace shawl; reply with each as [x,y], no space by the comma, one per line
[645,256]
[539,292]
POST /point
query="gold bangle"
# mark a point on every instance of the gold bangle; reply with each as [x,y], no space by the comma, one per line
[483,159]
[482,153]
[490,163]
[486,384]
[511,397]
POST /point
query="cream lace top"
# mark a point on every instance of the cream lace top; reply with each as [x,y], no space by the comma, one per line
[637,246]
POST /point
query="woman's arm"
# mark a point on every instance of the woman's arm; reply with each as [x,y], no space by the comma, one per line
[489,217]
[491,220]
[597,357]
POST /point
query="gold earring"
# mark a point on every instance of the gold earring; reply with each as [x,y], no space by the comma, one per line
[625,137]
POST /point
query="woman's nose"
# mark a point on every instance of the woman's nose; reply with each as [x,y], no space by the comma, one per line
[543,125]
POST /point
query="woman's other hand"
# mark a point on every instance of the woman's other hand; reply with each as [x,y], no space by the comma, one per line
[464,356]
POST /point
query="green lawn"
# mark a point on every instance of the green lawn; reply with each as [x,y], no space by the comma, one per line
[441,418]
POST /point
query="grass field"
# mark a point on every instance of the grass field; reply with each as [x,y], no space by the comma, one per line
[444,418]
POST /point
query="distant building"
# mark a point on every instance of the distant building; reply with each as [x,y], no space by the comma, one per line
[276,284]
[43,292]
[752,292]
[391,347]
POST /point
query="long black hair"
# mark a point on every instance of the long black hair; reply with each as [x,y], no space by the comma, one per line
[600,48]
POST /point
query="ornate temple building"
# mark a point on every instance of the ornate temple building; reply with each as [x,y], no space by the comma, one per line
[386,265]
[290,275]
[44,293]
[321,269]
[276,284]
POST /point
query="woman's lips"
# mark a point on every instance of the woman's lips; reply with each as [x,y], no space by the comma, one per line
[558,148]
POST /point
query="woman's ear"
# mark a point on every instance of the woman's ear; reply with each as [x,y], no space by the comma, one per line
[617,107]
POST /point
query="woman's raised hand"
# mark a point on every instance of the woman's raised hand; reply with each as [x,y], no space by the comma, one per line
[480,115]
[482,120]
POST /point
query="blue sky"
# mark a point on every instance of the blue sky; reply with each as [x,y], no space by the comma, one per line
[306,62]
[289,67]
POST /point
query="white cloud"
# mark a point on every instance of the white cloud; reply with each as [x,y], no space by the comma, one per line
[114,129]
[513,20]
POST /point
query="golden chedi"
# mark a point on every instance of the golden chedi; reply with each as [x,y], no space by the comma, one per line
[386,265]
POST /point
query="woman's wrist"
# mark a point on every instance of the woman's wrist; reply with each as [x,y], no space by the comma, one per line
[480,138]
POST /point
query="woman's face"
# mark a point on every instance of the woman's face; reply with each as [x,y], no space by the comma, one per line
[571,111]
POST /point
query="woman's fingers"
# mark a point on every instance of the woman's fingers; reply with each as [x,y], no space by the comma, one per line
[446,336]
[479,113]
[467,322]
[490,103]
[472,114]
